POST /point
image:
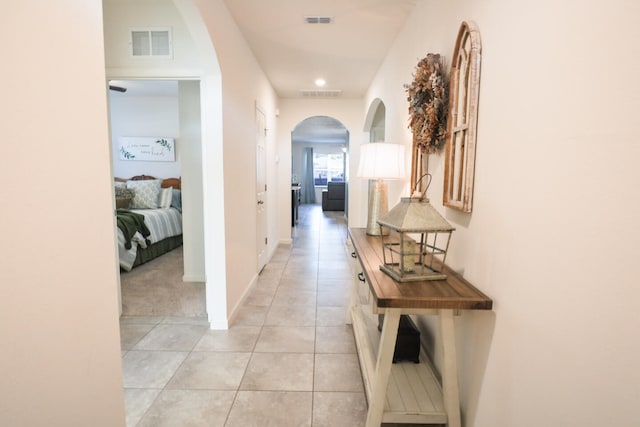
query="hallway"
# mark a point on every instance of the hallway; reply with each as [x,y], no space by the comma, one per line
[288,359]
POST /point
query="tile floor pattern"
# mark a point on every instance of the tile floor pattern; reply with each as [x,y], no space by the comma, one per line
[287,360]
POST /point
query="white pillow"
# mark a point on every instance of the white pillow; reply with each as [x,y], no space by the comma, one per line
[146,193]
[164,201]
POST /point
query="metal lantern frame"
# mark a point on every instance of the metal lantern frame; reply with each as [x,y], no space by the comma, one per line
[420,235]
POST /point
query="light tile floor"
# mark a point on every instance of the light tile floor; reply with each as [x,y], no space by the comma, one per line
[287,360]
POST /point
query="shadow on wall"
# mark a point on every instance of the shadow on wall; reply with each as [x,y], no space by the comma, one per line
[474,346]
[474,336]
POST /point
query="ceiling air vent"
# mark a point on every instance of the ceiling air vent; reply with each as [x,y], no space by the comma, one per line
[318,19]
[151,43]
[320,93]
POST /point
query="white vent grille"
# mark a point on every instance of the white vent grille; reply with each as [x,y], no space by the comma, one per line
[151,42]
[318,19]
[320,93]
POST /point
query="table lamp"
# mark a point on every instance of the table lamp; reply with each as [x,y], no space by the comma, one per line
[380,161]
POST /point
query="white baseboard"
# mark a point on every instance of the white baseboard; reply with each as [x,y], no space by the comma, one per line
[234,311]
[285,241]
[218,324]
[186,278]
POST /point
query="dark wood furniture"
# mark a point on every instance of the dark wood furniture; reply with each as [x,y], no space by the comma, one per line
[295,204]
[333,197]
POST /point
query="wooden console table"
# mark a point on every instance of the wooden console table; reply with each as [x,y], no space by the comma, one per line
[405,392]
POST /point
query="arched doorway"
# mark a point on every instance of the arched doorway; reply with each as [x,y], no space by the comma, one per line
[319,156]
[211,223]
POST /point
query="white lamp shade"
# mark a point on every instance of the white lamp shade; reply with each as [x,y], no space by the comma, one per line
[380,160]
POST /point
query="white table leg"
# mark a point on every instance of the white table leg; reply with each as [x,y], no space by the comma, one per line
[450,387]
[383,366]
[353,298]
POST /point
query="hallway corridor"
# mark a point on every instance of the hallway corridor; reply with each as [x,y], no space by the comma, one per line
[288,358]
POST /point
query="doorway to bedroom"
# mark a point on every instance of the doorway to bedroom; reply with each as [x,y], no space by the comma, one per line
[156,150]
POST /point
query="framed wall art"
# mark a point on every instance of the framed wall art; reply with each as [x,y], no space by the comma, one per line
[148,149]
[462,121]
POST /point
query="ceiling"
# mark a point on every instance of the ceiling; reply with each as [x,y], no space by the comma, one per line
[320,130]
[346,52]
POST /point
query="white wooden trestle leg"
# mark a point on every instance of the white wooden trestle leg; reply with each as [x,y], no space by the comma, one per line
[449,369]
[383,366]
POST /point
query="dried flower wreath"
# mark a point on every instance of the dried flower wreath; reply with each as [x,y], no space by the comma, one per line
[428,97]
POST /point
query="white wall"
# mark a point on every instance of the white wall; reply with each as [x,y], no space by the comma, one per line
[192,204]
[123,15]
[553,234]
[292,111]
[144,116]
[244,86]
[60,359]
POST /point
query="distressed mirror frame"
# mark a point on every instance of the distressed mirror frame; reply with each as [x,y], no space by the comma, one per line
[460,146]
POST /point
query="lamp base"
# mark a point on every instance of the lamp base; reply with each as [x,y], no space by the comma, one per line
[378,206]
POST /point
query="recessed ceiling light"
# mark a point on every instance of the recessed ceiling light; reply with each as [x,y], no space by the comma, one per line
[320,82]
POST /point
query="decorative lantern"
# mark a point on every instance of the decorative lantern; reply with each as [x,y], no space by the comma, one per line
[416,248]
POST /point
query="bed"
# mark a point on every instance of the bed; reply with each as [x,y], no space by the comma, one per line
[149,218]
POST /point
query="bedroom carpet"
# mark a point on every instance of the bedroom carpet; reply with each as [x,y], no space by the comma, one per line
[156,289]
[288,359]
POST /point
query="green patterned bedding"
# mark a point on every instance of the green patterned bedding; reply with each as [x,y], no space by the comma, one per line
[162,224]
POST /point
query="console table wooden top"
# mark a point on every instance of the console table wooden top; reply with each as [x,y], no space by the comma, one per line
[453,293]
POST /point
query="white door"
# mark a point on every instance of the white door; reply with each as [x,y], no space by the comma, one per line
[261,190]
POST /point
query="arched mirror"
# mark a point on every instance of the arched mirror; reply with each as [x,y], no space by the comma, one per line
[375,121]
[460,146]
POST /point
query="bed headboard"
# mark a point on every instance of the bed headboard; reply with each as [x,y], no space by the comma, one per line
[176,183]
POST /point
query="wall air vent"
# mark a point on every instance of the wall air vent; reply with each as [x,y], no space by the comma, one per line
[151,43]
[318,19]
[320,93]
